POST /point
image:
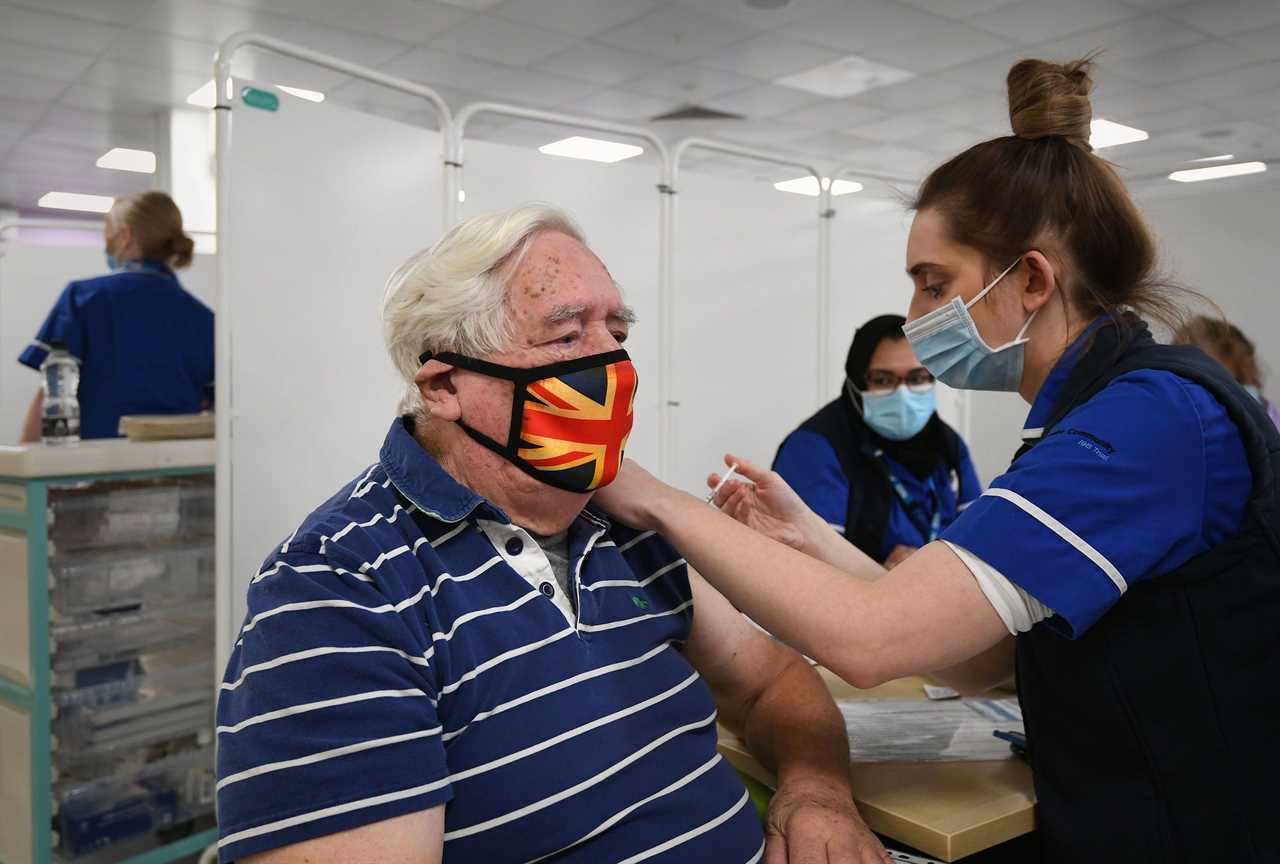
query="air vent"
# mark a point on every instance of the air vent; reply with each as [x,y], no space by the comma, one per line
[697,112]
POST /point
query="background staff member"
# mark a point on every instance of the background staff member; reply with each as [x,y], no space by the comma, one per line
[1226,343]
[878,463]
[144,344]
[1133,547]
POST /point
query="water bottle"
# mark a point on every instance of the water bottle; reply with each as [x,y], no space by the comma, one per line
[60,419]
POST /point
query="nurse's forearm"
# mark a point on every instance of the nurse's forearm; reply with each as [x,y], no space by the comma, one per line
[823,542]
[927,614]
[31,423]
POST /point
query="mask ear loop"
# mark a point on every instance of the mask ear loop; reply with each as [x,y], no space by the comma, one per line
[994,282]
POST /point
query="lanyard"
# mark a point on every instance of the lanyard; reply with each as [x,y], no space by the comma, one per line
[933,528]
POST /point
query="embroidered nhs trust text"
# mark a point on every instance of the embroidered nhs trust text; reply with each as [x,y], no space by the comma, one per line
[1100,448]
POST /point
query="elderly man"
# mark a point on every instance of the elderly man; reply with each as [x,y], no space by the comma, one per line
[456,659]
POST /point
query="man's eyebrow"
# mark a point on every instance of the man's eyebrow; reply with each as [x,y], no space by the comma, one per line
[561,314]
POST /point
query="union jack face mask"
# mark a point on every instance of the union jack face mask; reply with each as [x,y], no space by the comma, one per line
[570,421]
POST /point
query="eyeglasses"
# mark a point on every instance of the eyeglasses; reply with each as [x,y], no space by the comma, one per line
[881,381]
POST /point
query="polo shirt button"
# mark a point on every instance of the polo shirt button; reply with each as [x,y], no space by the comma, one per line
[515,546]
[546,589]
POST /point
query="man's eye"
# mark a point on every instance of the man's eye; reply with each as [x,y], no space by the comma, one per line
[567,339]
[620,336]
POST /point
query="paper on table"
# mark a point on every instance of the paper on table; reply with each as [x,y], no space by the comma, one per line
[918,730]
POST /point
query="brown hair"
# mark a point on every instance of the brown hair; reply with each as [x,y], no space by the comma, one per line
[1226,343]
[156,223]
[1043,188]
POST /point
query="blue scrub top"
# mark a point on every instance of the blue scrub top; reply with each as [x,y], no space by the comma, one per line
[1127,487]
[807,461]
[145,345]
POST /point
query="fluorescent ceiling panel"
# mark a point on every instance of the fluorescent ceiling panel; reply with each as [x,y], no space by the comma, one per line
[593,149]
[845,77]
[76,201]
[1217,172]
[124,159]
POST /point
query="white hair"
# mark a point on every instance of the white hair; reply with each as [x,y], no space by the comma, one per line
[453,296]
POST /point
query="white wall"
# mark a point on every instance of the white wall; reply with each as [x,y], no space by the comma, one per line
[33,272]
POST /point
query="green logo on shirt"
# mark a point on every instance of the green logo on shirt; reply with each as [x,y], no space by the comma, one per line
[640,602]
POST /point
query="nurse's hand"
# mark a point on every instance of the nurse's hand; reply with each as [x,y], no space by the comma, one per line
[766,503]
[815,825]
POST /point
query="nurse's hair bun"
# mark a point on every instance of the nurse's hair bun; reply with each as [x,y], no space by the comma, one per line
[1051,99]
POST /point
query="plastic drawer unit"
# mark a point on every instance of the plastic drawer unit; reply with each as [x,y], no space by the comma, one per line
[107,685]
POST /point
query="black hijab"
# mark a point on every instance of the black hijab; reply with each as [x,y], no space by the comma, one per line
[921,455]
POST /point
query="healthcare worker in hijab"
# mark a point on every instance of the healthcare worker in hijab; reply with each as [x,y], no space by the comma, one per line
[877,463]
[1128,562]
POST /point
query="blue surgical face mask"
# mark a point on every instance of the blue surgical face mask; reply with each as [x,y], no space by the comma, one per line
[113,263]
[1253,390]
[948,344]
[900,414]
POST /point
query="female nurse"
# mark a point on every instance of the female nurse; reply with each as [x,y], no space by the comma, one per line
[144,344]
[1128,562]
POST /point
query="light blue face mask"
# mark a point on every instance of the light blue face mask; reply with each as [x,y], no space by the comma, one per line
[948,344]
[899,415]
[113,263]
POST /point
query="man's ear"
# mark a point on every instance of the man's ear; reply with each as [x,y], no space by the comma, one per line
[435,383]
[1042,281]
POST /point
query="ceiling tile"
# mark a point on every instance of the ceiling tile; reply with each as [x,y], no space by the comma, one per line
[599,64]
[893,159]
[960,8]
[765,134]
[947,141]
[961,45]
[353,47]
[676,33]
[896,128]
[834,144]
[1116,100]
[989,73]
[56,31]
[914,95]
[435,68]
[832,114]
[577,17]
[1180,64]
[113,85]
[1263,44]
[1125,39]
[42,62]
[265,67]
[764,100]
[866,24]
[104,11]
[986,112]
[1244,139]
[544,90]
[689,83]
[623,105]
[1227,17]
[502,41]
[1032,21]
[214,22]
[118,128]
[402,20]
[35,89]
[770,56]
[22,110]
[765,19]
[164,51]
[366,94]
[1159,123]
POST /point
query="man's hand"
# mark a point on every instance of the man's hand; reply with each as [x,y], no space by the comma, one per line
[812,823]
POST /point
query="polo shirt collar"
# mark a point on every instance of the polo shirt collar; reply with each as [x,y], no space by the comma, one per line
[1051,390]
[422,480]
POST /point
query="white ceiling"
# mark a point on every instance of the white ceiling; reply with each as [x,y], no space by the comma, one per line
[78,77]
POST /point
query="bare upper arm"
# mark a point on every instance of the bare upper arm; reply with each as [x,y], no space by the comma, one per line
[414,838]
[737,660]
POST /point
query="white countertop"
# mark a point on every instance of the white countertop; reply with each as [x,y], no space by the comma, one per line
[104,456]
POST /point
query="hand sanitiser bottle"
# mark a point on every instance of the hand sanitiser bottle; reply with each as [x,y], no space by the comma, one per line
[60,418]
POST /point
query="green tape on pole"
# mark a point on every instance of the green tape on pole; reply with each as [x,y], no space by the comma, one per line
[255,98]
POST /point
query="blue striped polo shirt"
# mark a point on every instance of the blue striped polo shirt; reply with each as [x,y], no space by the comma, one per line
[409,646]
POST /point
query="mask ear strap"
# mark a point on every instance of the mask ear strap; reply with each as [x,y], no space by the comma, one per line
[472,364]
[994,282]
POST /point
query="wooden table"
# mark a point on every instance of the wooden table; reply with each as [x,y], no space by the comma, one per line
[945,809]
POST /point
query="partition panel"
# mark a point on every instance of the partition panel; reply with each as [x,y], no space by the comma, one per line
[323,204]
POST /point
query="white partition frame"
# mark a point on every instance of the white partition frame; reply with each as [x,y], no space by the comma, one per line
[224,342]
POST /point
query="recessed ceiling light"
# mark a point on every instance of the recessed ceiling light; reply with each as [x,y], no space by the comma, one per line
[845,77]
[124,159]
[1225,157]
[76,201]
[1106,133]
[594,149]
[303,93]
[809,186]
[1215,172]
